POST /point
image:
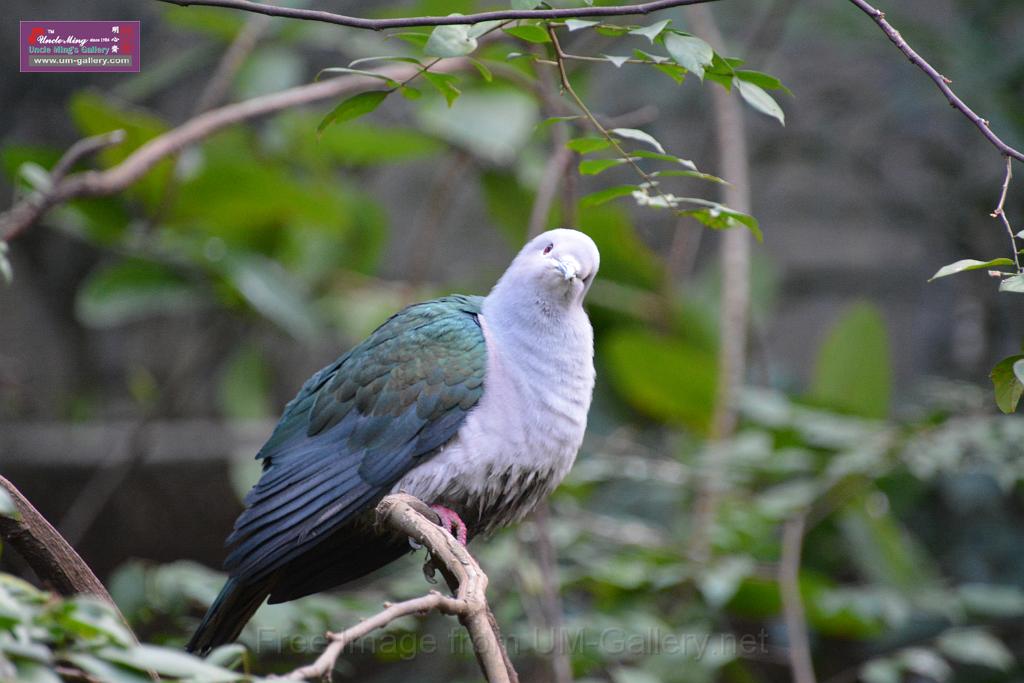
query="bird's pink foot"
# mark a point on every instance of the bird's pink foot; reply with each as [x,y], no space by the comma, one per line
[451,522]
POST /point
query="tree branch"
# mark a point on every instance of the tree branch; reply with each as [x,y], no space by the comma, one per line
[799,649]
[100,183]
[941,81]
[408,22]
[409,516]
[1000,212]
[53,560]
[734,313]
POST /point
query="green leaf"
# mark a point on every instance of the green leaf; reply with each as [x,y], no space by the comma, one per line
[853,370]
[1008,386]
[444,84]
[556,119]
[760,100]
[228,656]
[524,4]
[975,646]
[606,195]
[168,662]
[450,41]
[639,135]
[664,157]
[969,264]
[763,80]
[689,52]
[1013,284]
[651,32]
[357,72]
[595,166]
[485,73]
[385,58]
[664,378]
[132,290]
[587,145]
[673,71]
[353,108]
[720,217]
[416,38]
[881,671]
[7,506]
[531,33]
[106,671]
[690,174]
[577,24]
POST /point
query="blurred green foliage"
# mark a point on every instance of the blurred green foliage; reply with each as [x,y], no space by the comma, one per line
[910,568]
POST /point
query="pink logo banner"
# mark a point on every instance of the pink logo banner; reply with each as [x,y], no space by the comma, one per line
[70,46]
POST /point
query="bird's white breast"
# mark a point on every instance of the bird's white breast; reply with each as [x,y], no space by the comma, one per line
[520,440]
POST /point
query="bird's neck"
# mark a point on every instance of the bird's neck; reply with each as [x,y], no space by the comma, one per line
[529,320]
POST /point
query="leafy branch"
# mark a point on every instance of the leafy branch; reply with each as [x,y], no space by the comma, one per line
[115,179]
[451,19]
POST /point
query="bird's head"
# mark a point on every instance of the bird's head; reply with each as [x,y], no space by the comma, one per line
[561,263]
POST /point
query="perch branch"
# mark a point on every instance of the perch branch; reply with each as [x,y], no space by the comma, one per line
[409,516]
[53,560]
[409,22]
[114,179]
[941,81]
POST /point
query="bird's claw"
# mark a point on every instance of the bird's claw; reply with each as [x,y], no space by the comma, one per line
[452,523]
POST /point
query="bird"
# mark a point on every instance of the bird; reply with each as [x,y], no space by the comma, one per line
[475,405]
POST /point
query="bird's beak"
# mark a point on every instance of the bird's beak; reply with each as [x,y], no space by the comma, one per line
[568,267]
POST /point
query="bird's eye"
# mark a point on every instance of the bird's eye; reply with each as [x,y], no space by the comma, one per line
[547,249]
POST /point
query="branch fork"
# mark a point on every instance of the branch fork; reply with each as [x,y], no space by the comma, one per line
[408,515]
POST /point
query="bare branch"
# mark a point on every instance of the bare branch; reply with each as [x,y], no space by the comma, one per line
[231,62]
[799,650]
[408,515]
[82,149]
[53,560]
[408,22]
[941,81]
[100,183]
[1000,211]
[734,313]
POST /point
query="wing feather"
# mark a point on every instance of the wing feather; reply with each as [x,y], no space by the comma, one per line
[356,427]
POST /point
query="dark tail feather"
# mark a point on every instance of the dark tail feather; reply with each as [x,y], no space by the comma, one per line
[228,614]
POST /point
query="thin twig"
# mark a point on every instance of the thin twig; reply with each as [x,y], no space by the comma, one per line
[559,164]
[406,515]
[1000,212]
[230,63]
[941,81]
[799,650]
[452,19]
[138,163]
[82,149]
[649,181]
